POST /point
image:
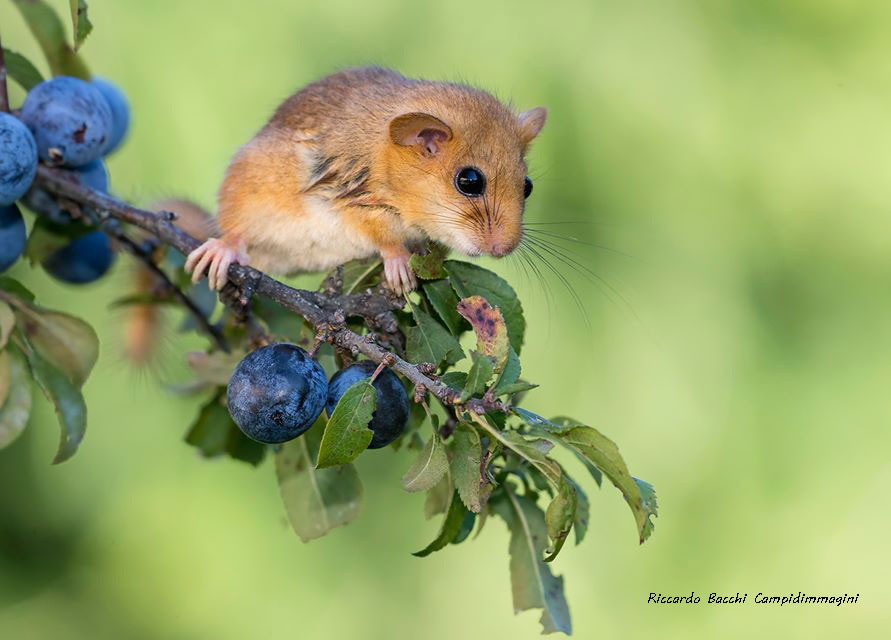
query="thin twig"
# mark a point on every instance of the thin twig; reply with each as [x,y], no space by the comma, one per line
[145,256]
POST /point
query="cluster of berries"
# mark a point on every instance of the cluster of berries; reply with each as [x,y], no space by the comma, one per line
[69,123]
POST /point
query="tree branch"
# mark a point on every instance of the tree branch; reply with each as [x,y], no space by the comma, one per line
[325,312]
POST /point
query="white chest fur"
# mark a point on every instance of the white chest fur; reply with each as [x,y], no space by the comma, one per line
[315,238]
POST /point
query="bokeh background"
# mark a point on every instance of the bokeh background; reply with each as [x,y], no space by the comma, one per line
[732,159]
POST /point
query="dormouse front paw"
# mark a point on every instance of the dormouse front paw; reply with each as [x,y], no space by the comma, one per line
[400,277]
[214,256]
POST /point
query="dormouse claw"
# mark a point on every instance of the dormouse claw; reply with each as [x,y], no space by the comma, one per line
[214,257]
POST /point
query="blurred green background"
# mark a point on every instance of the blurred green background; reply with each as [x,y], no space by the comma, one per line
[733,156]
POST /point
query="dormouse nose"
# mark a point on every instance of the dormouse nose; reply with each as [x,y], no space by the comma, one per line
[499,245]
[500,249]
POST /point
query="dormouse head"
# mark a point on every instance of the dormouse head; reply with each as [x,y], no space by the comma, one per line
[460,172]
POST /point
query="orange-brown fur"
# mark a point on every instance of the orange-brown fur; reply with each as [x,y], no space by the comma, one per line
[363,162]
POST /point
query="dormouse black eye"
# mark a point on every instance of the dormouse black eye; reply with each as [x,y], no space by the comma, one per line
[527,187]
[470,181]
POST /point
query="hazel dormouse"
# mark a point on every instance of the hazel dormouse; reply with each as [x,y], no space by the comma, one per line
[368,162]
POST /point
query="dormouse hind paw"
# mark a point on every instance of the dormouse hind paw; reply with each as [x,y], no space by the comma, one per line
[214,257]
[400,277]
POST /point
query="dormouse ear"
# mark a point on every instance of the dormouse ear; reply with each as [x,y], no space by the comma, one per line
[531,123]
[426,132]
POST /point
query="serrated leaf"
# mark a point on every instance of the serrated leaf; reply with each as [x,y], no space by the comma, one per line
[444,301]
[16,408]
[509,374]
[491,332]
[7,323]
[454,379]
[316,500]
[532,583]
[49,32]
[429,467]
[438,498]
[67,343]
[429,266]
[551,429]
[80,22]
[451,526]
[347,433]
[604,454]
[560,517]
[21,70]
[648,501]
[428,341]
[67,400]
[471,280]
[465,466]
[214,434]
[481,371]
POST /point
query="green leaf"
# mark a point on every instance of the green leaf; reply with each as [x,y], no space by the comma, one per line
[509,374]
[21,70]
[491,332]
[438,498]
[648,501]
[444,301]
[359,275]
[532,583]
[7,323]
[16,288]
[454,380]
[582,511]
[551,429]
[17,406]
[67,400]
[451,526]
[481,371]
[80,22]
[429,266]
[316,500]
[604,454]
[429,467]
[67,343]
[214,434]
[560,517]
[466,528]
[347,433]
[517,387]
[471,280]
[465,466]
[49,32]
[428,341]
